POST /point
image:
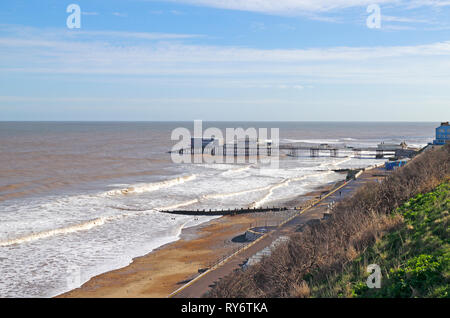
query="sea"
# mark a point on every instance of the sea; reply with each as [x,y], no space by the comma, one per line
[78,199]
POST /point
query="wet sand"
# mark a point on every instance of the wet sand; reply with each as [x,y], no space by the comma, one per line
[167,268]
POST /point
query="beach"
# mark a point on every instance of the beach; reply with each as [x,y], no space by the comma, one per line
[168,267]
[172,266]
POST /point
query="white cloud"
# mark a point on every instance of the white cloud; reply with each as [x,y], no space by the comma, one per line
[61,35]
[296,7]
[288,7]
[119,14]
[258,26]
[176,52]
[404,19]
[176,12]
[136,35]
[84,54]
[422,3]
[89,13]
[329,11]
[145,101]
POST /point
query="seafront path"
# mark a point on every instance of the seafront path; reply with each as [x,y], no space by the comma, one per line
[201,284]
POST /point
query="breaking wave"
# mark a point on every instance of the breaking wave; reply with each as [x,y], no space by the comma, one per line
[178,205]
[74,228]
[233,171]
[70,229]
[231,194]
[333,164]
[152,186]
[283,183]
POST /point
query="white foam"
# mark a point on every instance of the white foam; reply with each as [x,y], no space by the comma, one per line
[178,205]
[66,230]
[330,165]
[142,188]
[231,194]
[282,184]
[237,170]
[85,226]
[314,141]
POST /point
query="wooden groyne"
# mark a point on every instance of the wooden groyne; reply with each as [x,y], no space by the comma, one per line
[225,212]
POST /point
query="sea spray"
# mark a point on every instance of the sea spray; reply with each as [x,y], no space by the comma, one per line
[178,205]
[233,171]
[334,163]
[152,186]
[283,183]
[231,194]
[66,230]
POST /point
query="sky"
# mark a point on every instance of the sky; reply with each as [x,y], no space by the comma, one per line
[225,60]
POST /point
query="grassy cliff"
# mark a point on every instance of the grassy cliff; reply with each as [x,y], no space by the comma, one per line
[414,257]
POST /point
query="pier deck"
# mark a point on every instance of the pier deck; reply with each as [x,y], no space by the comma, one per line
[295,148]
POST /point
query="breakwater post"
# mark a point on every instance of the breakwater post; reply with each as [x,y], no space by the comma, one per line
[225,212]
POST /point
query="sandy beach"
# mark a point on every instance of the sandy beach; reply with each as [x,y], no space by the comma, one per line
[167,268]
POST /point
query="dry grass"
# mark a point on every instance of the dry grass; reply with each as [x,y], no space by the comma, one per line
[301,291]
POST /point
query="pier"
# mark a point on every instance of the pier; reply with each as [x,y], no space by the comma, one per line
[380,152]
[248,148]
[227,150]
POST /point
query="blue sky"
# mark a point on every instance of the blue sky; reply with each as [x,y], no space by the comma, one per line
[225,60]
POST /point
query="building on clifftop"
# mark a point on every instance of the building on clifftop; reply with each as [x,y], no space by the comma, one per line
[442,134]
